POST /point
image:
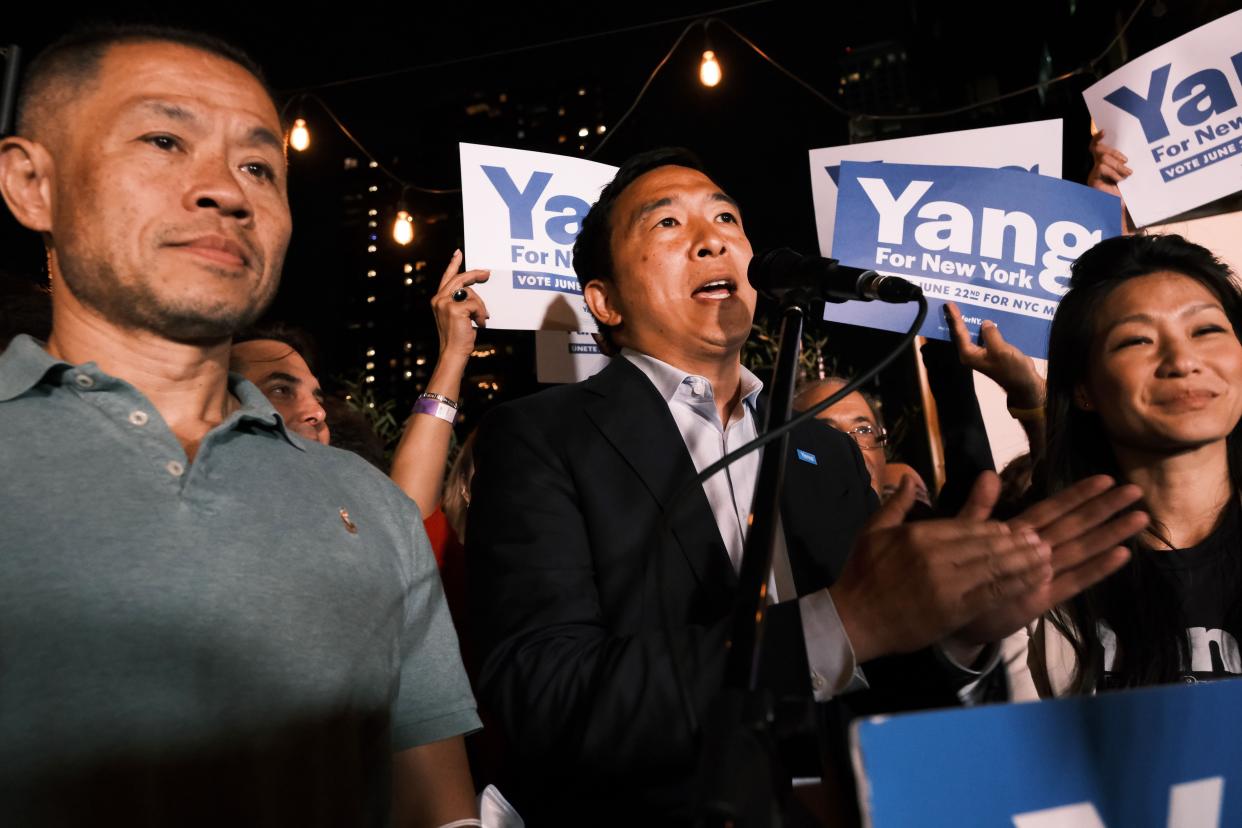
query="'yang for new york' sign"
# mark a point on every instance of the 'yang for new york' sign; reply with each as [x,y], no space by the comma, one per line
[999,243]
[1175,114]
[523,211]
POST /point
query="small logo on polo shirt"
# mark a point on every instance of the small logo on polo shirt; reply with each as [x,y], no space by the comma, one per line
[807,457]
[349,524]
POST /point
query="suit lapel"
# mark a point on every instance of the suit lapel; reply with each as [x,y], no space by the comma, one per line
[635,420]
[819,492]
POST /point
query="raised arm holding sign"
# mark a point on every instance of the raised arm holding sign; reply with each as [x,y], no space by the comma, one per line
[1175,116]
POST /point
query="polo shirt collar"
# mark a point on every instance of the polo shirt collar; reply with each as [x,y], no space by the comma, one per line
[23,365]
[26,363]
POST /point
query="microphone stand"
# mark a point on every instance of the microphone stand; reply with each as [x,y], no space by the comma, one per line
[739,774]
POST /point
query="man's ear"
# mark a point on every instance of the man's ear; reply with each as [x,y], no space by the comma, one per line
[26,169]
[601,301]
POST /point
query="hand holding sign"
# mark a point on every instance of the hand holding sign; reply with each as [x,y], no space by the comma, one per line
[456,320]
[1109,168]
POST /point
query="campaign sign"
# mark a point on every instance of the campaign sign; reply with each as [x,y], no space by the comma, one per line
[1033,147]
[999,243]
[562,356]
[1164,757]
[522,212]
[1175,114]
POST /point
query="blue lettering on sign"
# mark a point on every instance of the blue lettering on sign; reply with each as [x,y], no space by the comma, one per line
[562,227]
[1205,93]
[521,203]
[526,280]
[572,210]
[1207,157]
[583,348]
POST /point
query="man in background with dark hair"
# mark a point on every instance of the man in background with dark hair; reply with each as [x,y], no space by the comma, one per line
[583,607]
[275,358]
[203,620]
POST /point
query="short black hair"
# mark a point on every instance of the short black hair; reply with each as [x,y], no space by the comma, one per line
[296,338]
[74,60]
[593,247]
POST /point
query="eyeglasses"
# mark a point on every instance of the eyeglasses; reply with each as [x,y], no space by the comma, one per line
[868,436]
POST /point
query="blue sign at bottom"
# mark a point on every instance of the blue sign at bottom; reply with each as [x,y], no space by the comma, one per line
[1166,757]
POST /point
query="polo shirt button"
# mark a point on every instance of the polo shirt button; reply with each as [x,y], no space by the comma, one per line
[138,418]
[817,681]
[83,380]
[174,468]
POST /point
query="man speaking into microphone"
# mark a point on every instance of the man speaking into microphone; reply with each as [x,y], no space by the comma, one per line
[601,638]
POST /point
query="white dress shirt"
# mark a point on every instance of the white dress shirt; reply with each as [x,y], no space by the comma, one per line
[731,493]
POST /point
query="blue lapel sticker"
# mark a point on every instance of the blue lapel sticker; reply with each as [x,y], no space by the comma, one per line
[807,457]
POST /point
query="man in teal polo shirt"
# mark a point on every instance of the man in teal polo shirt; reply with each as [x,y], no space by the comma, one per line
[204,618]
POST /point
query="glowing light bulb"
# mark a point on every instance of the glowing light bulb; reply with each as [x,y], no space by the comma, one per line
[709,69]
[403,228]
[299,136]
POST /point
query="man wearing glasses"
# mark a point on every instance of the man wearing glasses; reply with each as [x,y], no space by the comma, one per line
[858,416]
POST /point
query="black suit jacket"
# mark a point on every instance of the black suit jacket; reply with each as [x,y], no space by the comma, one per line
[579,603]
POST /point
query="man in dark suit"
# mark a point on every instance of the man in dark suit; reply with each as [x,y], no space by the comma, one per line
[602,639]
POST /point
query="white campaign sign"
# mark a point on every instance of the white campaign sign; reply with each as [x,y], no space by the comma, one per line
[1035,147]
[522,212]
[562,356]
[1175,114]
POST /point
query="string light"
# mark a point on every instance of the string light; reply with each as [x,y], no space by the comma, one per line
[403,228]
[299,135]
[709,69]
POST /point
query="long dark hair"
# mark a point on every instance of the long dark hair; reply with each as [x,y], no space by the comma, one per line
[1137,603]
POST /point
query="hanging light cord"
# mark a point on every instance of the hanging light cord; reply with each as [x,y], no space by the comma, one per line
[695,21]
[405,185]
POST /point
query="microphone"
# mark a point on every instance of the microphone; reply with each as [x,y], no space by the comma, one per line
[779,271]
